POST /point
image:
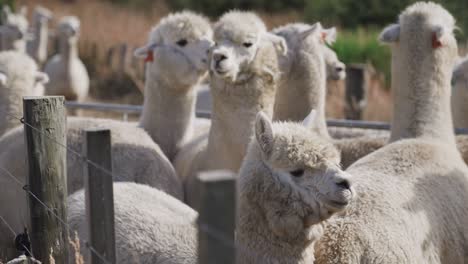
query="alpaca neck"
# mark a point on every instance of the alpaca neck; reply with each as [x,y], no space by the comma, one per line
[235,107]
[168,114]
[421,94]
[41,33]
[303,89]
[68,49]
[256,242]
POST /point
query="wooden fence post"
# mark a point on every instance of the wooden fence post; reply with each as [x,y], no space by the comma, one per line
[216,222]
[99,195]
[357,80]
[45,132]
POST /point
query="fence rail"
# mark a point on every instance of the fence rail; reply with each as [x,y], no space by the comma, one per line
[137,109]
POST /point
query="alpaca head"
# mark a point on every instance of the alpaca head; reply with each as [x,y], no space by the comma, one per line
[69,28]
[298,174]
[42,15]
[14,31]
[178,48]
[310,39]
[238,37]
[424,33]
[336,70]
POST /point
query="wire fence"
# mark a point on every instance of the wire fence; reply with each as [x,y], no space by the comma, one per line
[212,232]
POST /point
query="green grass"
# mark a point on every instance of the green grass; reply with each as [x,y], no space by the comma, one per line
[362,46]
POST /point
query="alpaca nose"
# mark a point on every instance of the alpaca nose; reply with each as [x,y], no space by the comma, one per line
[218,57]
[344,183]
[339,68]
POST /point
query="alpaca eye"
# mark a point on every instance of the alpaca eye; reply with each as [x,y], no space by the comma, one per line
[297,173]
[247,44]
[182,42]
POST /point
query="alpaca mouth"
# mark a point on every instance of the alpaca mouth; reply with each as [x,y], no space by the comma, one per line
[337,205]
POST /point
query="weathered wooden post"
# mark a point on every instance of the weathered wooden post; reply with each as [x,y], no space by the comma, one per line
[45,133]
[99,195]
[216,222]
[357,79]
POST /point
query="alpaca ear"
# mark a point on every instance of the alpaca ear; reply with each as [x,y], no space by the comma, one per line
[264,133]
[145,52]
[437,34]
[329,35]
[309,121]
[41,77]
[279,42]
[390,34]
[314,29]
[3,78]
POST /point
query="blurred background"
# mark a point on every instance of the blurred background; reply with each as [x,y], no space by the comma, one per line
[112,29]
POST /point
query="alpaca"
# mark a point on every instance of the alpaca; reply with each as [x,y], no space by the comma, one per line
[68,75]
[150,226]
[301,185]
[176,64]
[412,194]
[37,48]
[14,31]
[135,156]
[19,76]
[303,86]
[244,71]
[315,189]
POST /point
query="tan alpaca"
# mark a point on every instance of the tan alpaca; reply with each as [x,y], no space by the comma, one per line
[244,71]
[412,197]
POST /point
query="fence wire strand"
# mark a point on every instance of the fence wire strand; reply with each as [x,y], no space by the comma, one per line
[216,234]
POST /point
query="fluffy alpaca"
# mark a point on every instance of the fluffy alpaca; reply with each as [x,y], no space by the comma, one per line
[412,197]
[37,47]
[168,227]
[68,75]
[19,77]
[244,71]
[301,185]
[14,31]
[135,158]
[151,227]
[177,61]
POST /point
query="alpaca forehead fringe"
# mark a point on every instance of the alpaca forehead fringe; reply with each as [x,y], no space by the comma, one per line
[295,144]
[429,11]
[237,25]
[185,23]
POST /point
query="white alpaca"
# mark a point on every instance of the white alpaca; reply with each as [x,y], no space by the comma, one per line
[177,60]
[412,197]
[19,77]
[289,183]
[244,72]
[293,166]
[14,31]
[37,48]
[68,75]
[303,86]
[135,156]
[151,227]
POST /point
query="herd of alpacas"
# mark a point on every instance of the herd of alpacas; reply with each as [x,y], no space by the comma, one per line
[304,195]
